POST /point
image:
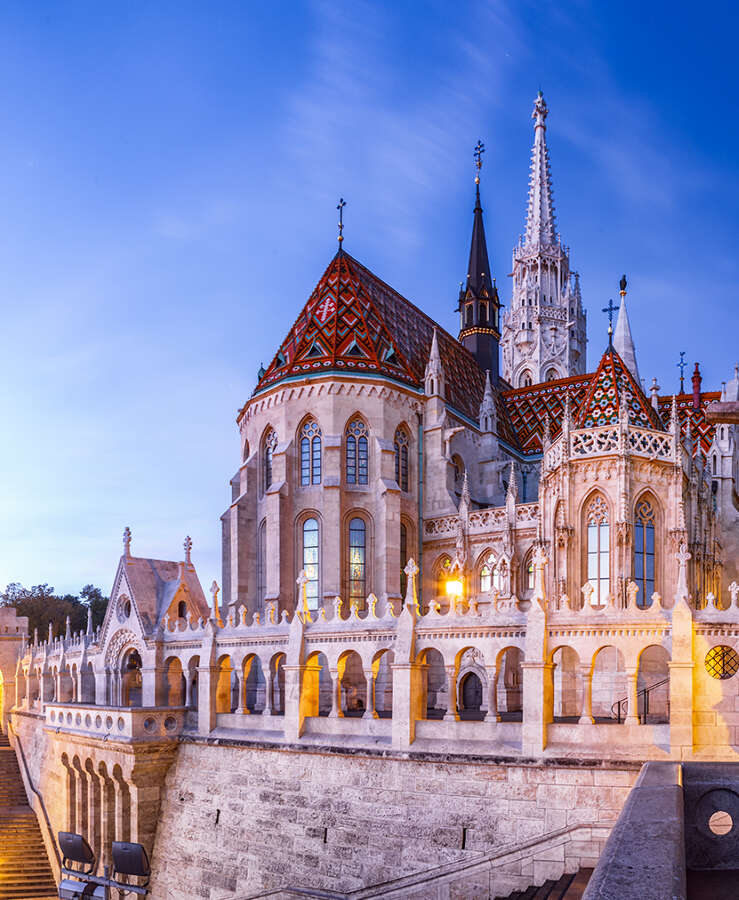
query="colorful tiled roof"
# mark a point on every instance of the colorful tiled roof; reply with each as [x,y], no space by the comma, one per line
[528,406]
[355,323]
[693,422]
[603,400]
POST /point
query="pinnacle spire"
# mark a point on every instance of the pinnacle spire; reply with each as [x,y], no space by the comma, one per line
[479,281]
[623,343]
[540,228]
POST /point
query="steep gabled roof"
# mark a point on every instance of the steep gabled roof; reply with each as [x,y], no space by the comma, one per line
[603,399]
[356,324]
[693,424]
[528,407]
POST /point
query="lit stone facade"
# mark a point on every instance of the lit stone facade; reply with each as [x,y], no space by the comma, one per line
[419,559]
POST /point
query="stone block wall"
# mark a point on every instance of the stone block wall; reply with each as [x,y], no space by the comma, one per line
[238,819]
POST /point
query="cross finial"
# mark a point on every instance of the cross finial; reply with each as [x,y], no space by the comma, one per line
[340,208]
[610,309]
[681,365]
[477,153]
[302,578]
[126,541]
[188,547]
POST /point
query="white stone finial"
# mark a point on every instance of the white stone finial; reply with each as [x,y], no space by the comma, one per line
[465,491]
[411,571]
[89,621]
[734,591]
[127,541]
[434,375]
[302,581]
[188,548]
[488,413]
[654,391]
[512,490]
[51,633]
[68,629]
[682,556]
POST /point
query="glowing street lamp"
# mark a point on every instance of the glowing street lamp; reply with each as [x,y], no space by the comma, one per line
[454,590]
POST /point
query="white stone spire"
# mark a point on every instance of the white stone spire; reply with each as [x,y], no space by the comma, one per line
[434,376]
[487,407]
[623,343]
[543,335]
[540,227]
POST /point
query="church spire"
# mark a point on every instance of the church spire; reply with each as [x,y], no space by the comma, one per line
[623,343]
[540,228]
[479,305]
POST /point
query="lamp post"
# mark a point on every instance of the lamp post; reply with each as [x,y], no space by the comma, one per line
[454,590]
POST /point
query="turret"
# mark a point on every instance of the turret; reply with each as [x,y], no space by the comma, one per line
[479,305]
[623,343]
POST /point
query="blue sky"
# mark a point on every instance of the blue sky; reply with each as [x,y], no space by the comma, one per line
[168,180]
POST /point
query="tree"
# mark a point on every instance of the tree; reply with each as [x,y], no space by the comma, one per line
[42,606]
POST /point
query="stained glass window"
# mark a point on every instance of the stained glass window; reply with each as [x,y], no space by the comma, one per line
[310,454]
[311,561]
[598,573]
[401,459]
[357,453]
[644,552]
[270,442]
[357,559]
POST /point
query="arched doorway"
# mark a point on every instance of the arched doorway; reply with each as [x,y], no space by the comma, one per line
[131,683]
[471,692]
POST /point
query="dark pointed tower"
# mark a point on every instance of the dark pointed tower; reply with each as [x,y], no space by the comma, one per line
[479,305]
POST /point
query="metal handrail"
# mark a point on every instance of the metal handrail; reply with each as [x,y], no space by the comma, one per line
[40,798]
[623,704]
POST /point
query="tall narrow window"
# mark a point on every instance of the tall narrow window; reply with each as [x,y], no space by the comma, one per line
[357,453]
[401,459]
[311,561]
[598,549]
[644,552]
[310,454]
[443,573]
[357,559]
[270,442]
[403,558]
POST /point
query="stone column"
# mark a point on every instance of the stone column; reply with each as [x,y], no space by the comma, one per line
[538,699]
[451,714]
[268,692]
[492,713]
[681,682]
[295,707]
[369,678]
[586,680]
[102,689]
[188,690]
[207,683]
[632,714]
[149,687]
[409,703]
[336,710]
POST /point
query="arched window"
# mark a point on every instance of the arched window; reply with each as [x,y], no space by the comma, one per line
[469,314]
[270,442]
[357,559]
[483,314]
[357,453]
[598,566]
[644,552]
[490,577]
[403,558]
[182,610]
[310,453]
[525,380]
[311,560]
[552,375]
[401,458]
[443,573]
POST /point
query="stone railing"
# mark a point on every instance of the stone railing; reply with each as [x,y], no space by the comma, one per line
[481,521]
[607,440]
[117,723]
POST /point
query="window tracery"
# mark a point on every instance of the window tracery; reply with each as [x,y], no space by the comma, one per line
[598,548]
[401,458]
[310,453]
[357,453]
[644,551]
[270,444]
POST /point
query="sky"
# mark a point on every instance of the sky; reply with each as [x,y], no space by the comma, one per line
[169,174]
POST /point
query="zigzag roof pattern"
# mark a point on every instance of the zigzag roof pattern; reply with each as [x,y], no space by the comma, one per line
[603,400]
[693,424]
[528,407]
[356,324]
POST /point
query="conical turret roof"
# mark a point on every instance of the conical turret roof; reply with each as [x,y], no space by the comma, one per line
[611,383]
[479,279]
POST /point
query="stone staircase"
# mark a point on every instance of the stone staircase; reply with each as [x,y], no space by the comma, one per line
[568,887]
[25,873]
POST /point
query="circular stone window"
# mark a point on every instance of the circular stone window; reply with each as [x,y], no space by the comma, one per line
[123,608]
[150,725]
[170,723]
[722,662]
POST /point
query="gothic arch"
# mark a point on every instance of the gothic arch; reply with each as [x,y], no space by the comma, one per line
[268,445]
[596,509]
[647,507]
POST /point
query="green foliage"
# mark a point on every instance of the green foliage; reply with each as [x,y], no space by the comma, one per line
[41,605]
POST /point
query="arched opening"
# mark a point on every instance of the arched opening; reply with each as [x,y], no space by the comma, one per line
[552,375]
[269,445]
[434,682]
[131,682]
[357,561]
[175,682]
[526,379]
[182,610]
[357,453]
[510,684]
[277,684]
[353,684]
[597,561]
[254,685]
[608,685]
[470,695]
[311,559]
[191,696]
[442,571]
[653,685]
[401,446]
[645,551]
[567,700]
[226,686]
[310,453]
[316,687]
[382,685]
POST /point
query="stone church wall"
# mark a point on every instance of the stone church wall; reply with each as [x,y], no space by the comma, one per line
[239,819]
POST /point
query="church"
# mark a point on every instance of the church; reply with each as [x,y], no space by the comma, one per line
[472,550]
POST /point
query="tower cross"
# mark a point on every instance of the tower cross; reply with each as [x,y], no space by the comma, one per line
[340,208]
[477,153]
[610,309]
[681,365]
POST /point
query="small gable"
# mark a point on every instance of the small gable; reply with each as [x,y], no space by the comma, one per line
[612,383]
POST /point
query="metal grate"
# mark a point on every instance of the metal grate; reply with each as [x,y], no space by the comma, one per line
[722,662]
